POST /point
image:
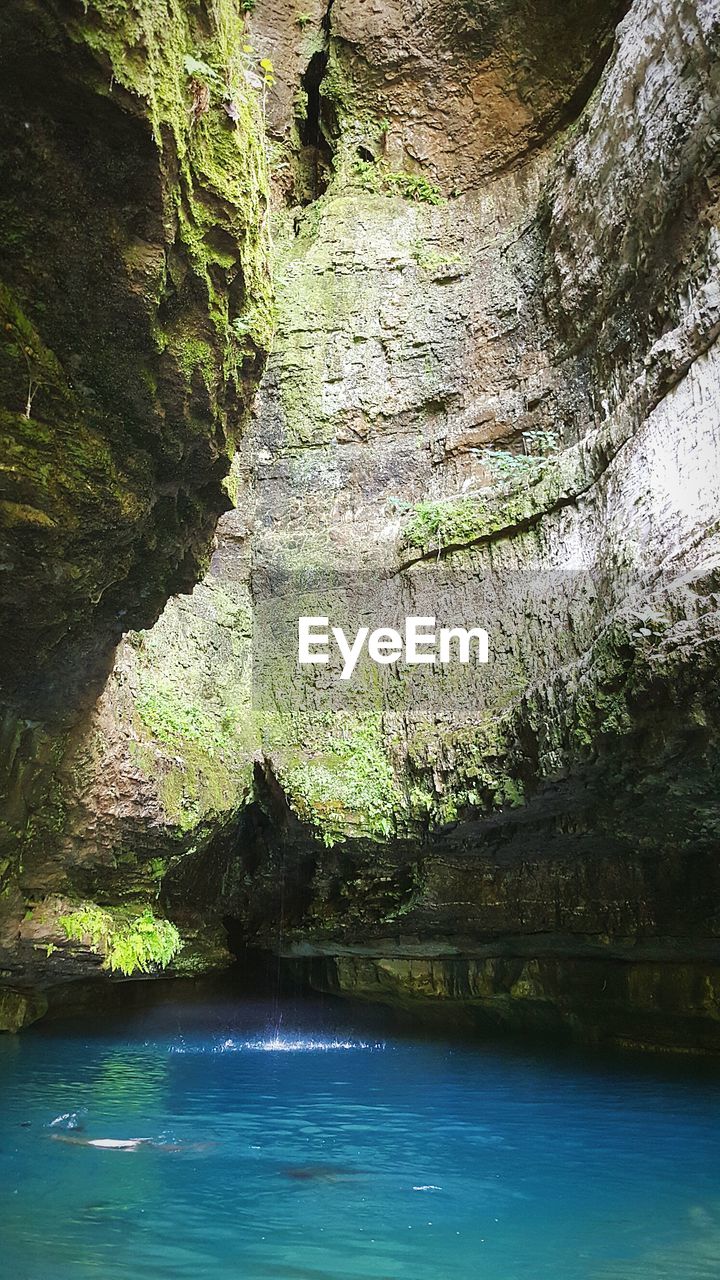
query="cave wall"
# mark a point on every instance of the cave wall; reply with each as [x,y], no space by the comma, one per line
[136,314]
[488,232]
[135,317]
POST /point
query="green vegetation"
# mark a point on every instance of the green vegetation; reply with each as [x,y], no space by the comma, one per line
[172,719]
[351,781]
[464,518]
[206,765]
[39,368]
[129,943]
[429,260]
[193,77]
[504,465]
[482,777]
[413,186]
[338,93]
[200,70]
[195,353]
[376,176]
[188,695]
[446,521]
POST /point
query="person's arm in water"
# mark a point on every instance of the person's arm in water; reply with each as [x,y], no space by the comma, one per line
[118,1144]
[130,1144]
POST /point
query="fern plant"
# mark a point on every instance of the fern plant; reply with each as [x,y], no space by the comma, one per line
[128,944]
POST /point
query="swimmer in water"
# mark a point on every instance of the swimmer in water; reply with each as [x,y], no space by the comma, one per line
[112,1144]
[319,1173]
[130,1144]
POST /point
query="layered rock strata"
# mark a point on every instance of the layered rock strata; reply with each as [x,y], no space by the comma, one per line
[492,398]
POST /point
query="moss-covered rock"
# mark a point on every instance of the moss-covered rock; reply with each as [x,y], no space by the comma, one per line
[532,842]
[637,1004]
[19,1008]
[135,313]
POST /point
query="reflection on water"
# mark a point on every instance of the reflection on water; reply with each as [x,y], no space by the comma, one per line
[328,1147]
[125,1083]
[697,1253]
[277,1043]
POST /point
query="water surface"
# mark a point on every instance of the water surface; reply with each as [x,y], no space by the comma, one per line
[332,1148]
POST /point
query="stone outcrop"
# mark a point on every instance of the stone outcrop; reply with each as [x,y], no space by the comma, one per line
[459,90]
[492,398]
[135,315]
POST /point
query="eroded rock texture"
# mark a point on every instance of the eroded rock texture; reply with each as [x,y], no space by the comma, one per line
[135,314]
[133,215]
[495,229]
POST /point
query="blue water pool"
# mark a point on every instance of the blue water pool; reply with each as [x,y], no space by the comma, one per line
[318,1145]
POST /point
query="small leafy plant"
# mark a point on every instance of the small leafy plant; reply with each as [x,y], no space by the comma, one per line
[200,70]
[506,466]
[129,944]
[541,441]
[376,176]
[209,85]
[414,186]
[268,70]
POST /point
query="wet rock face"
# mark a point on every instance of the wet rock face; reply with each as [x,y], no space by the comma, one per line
[135,314]
[471,87]
[19,1008]
[459,91]
[134,311]
[629,1004]
[520,840]
[634,203]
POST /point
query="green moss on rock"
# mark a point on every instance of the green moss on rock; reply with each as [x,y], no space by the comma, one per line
[19,1008]
[154,52]
[346,783]
[135,312]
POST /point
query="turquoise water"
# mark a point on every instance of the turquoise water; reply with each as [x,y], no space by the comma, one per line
[340,1150]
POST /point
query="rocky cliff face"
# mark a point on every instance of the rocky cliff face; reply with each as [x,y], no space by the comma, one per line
[135,316]
[492,398]
[136,312]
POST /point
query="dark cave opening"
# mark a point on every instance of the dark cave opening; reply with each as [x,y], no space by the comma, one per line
[259,972]
[310,130]
[317,152]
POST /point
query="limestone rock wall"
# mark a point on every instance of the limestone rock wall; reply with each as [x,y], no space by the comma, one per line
[135,316]
[633,206]
[458,90]
[486,237]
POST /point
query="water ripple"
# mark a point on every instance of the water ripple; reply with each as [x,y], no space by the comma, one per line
[281,1044]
